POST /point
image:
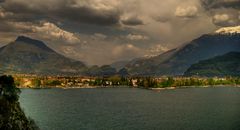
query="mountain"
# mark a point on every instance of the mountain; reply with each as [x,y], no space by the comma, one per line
[226,65]
[105,70]
[119,64]
[177,61]
[30,56]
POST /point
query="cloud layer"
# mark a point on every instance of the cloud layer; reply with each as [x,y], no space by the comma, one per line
[190,11]
[223,12]
[105,31]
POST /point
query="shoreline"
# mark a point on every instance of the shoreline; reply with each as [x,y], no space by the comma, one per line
[183,87]
[86,87]
[153,89]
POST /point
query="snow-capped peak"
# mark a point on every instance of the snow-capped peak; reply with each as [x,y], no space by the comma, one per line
[229,30]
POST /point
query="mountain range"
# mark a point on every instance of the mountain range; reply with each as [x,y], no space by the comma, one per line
[178,60]
[30,56]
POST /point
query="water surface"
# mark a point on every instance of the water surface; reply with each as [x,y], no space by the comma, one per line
[133,109]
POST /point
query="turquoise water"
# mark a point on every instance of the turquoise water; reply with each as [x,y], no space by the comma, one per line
[133,109]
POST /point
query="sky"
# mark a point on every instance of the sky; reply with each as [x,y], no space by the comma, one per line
[100,32]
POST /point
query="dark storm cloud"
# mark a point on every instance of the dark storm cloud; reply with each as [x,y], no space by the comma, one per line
[87,15]
[213,4]
[223,12]
[63,10]
[133,21]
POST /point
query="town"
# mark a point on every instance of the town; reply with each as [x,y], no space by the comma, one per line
[34,81]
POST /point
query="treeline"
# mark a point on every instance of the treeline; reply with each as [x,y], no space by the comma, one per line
[145,82]
[45,82]
[37,82]
[149,82]
[11,115]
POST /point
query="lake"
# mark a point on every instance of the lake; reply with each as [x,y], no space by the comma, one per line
[133,109]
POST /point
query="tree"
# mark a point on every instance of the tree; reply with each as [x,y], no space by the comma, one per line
[211,81]
[8,89]
[36,82]
[147,82]
[168,83]
[12,116]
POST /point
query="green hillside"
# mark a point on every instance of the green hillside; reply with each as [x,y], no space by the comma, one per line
[226,65]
